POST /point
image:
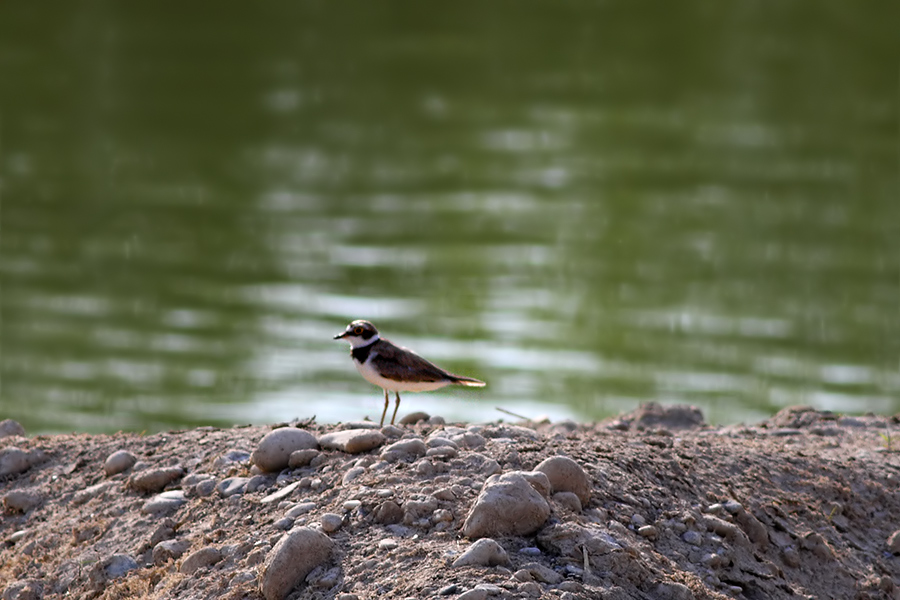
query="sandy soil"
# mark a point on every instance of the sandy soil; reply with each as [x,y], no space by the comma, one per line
[804,505]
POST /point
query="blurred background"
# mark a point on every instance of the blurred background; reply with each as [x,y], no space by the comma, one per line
[589,205]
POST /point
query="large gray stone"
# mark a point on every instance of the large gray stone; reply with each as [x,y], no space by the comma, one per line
[507,505]
[295,555]
[273,453]
[352,441]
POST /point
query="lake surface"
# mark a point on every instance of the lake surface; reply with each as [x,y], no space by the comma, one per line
[589,205]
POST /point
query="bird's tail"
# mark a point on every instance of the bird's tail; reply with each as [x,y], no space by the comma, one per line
[468,381]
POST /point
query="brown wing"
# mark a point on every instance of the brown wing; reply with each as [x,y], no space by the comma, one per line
[401,364]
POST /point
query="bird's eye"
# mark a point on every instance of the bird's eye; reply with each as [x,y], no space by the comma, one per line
[358,331]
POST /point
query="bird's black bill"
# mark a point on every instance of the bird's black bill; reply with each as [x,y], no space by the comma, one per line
[340,335]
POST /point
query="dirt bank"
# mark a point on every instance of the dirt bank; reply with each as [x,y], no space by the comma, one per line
[801,506]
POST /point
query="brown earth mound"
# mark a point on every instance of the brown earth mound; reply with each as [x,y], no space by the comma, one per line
[656,505]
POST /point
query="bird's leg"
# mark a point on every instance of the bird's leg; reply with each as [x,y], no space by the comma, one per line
[396,406]
[384,412]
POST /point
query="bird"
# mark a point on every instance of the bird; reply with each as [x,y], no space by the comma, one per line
[394,368]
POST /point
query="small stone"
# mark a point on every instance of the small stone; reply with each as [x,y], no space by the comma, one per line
[530,589]
[485,552]
[352,474]
[388,513]
[721,527]
[568,501]
[274,451]
[473,594]
[256,482]
[441,516]
[530,551]
[566,475]
[283,524]
[230,458]
[893,542]
[300,509]
[204,557]
[392,431]
[163,503]
[15,460]
[205,487]
[92,491]
[438,441]
[169,550]
[301,458]
[331,522]
[352,441]
[692,537]
[232,485]
[732,507]
[22,500]
[351,505]
[388,544]
[447,590]
[414,417]
[282,493]
[437,420]
[442,452]
[295,555]
[154,480]
[118,564]
[404,450]
[543,573]
[10,428]
[118,461]
[648,531]
[507,505]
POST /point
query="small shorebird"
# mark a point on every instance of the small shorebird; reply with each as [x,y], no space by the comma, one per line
[393,368]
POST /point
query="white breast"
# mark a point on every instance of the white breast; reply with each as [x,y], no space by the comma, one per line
[371,375]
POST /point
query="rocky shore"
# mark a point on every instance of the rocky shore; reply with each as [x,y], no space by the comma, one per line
[654,504]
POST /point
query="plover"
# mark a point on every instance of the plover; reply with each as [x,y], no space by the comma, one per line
[394,368]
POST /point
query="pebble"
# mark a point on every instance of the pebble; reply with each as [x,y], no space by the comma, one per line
[154,480]
[204,557]
[283,524]
[274,451]
[205,487]
[441,516]
[352,474]
[352,441]
[893,542]
[22,500]
[256,482]
[163,503]
[388,544]
[295,555]
[300,509]
[388,513]
[485,552]
[569,540]
[232,485]
[301,458]
[530,589]
[721,527]
[648,531]
[568,501]
[692,537]
[473,594]
[732,507]
[331,522]
[442,452]
[118,564]
[169,550]
[230,458]
[282,493]
[447,590]
[530,551]
[118,461]
[542,573]
[15,460]
[351,505]
[92,492]
[9,428]
[404,450]
[415,417]
[566,475]
[507,505]
[439,441]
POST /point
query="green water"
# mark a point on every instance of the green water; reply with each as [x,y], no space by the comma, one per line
[589,205]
